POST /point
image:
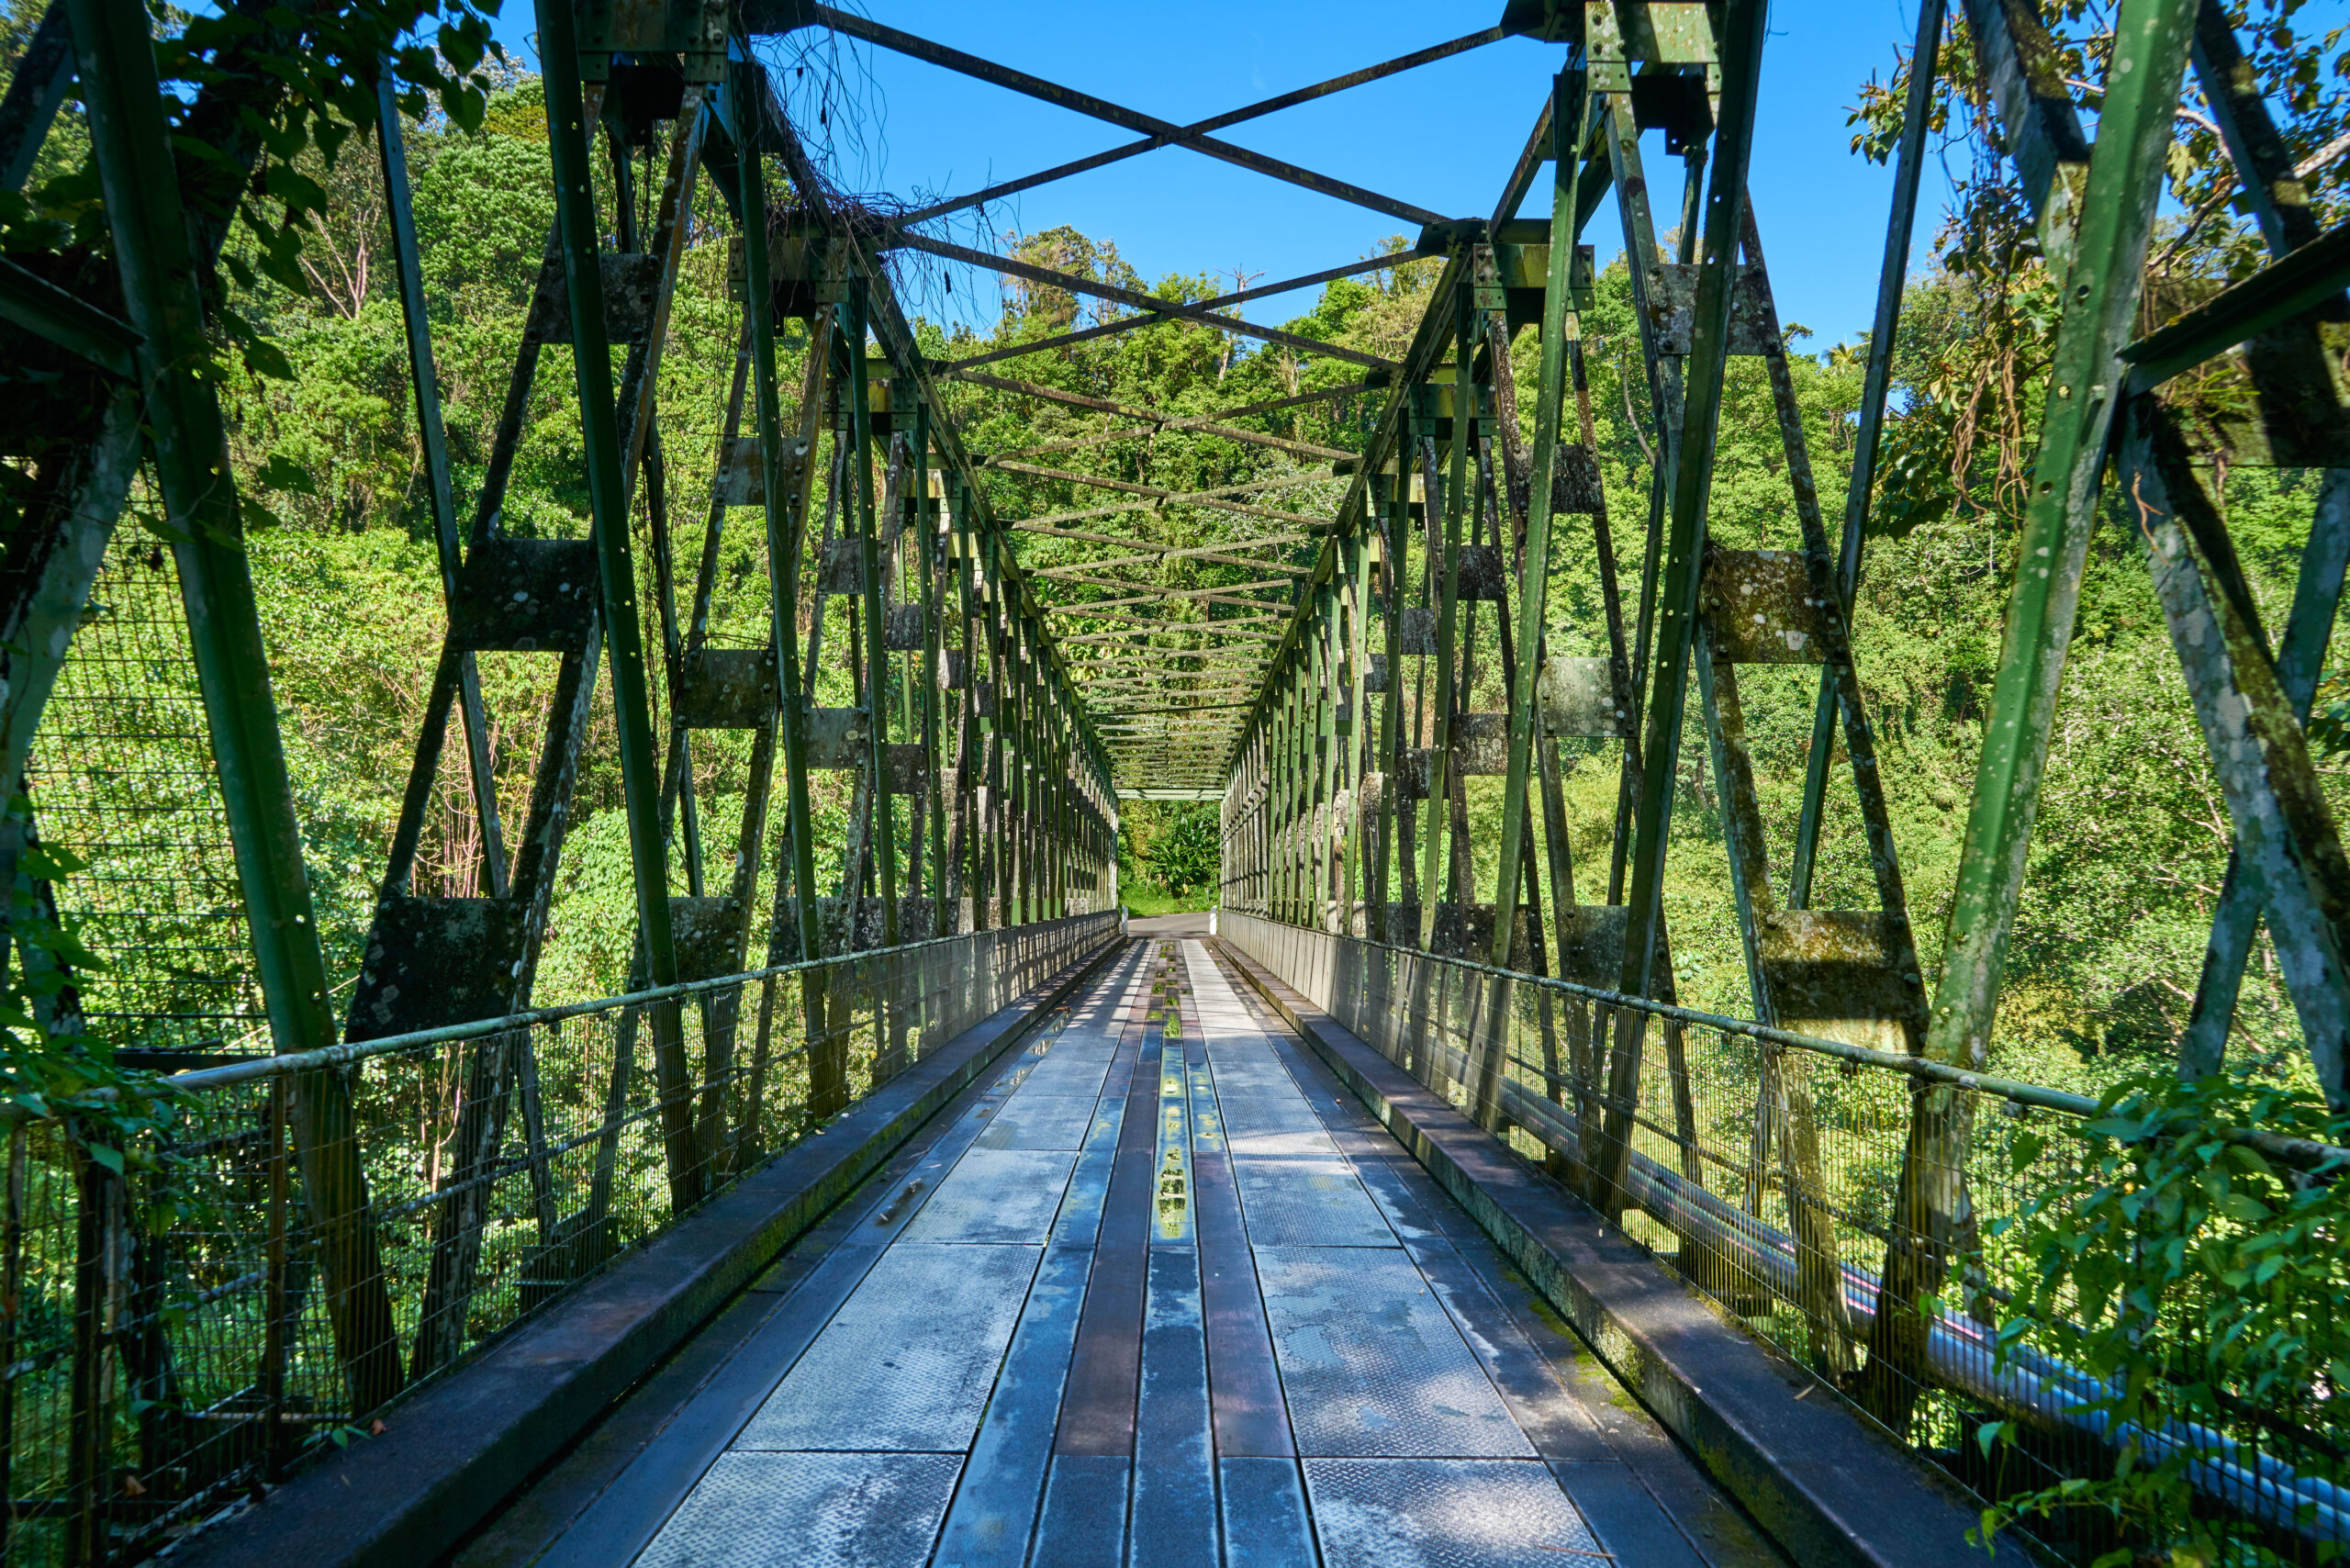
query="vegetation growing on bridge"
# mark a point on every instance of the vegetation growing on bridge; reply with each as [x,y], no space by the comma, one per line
[2132,839]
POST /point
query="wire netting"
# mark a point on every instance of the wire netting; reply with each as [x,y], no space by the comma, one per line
[1846,1212]
[309,1237]
[123,777]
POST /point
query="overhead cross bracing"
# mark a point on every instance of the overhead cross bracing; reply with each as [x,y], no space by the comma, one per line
[1098,595]
[864,736]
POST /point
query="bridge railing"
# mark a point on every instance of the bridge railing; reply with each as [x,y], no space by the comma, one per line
[1789,1232]
[181,1317]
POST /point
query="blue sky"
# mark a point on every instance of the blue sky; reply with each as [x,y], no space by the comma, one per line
[1442,137]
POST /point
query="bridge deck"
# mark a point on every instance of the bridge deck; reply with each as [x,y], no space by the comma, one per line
[1153,1297]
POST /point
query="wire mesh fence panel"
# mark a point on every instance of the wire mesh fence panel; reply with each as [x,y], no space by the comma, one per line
[167,1328]
[123,777]
[1806,1191]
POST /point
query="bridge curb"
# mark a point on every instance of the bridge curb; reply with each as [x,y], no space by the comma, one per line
[450,1456]
[1828,1488]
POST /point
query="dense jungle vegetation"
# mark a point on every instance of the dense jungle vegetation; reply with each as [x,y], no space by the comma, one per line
[2132,835]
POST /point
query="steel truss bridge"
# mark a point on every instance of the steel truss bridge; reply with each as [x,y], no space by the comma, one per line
[1406,1218]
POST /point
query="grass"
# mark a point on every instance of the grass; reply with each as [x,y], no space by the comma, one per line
[1147,897]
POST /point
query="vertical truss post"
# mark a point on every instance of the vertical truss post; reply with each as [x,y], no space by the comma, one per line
[608,504]
[1388,497]
[1893,277]
[1741,52]
[926,523]
[2101,274]
[123,97]
[746,86]
[1568,103]
[1456,500]
[1322,808]
[2100,265]
[431,434]
[876,655]
[2264,167]
[1357,549]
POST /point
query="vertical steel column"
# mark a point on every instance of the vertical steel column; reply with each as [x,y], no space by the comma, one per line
[746,86]
[607,505]
[877,652]
[1741,51]
[1355,552]
[2101,293]
[2101,265]
[425,379]
[1322,825]
[122,97]
[1395,562]
[2265,168]
[1559,321]
[1456,498]
[1893,277]
[926,523]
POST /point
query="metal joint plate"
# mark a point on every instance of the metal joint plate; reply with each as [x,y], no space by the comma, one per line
[1482,577]
[836,737]
[727,688]
[703,933]
[902,628]
[907,769]
[630,280]
[1759,610]
[432,962]
[1673,307]
[841,569]
[1579,700]
[527,595]
[1480,744]
[1843,975]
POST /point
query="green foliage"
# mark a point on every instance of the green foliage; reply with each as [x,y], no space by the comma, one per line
[1185,857]
[47,1066]
[2198,1285]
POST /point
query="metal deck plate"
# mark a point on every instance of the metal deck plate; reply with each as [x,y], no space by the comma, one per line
[820,1510]
[1041,1122]
[1372,1365]
[1078,1073]
[1305,1200]
[1445,1513]
[999,1195]
[906,1364]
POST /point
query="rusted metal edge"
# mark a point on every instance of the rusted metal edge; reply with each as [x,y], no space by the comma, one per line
[451,1454]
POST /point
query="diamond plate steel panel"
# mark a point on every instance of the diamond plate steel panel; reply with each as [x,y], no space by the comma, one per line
[811,1510]
[998,1195]
[1304,1199]
[1370,1364]
[1034,1121]
[1445,1513]
[907,1361]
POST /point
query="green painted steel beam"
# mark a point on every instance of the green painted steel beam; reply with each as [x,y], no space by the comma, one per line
[1570,103]
[1893,279]
[2290,286]
[1742,59]
[580,230]
[2100,296]
[122,97]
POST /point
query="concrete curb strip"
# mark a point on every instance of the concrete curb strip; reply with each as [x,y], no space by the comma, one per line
[450,1455]
[1828,1488]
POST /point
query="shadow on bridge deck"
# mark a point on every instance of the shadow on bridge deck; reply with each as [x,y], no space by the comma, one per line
[1160,1292]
